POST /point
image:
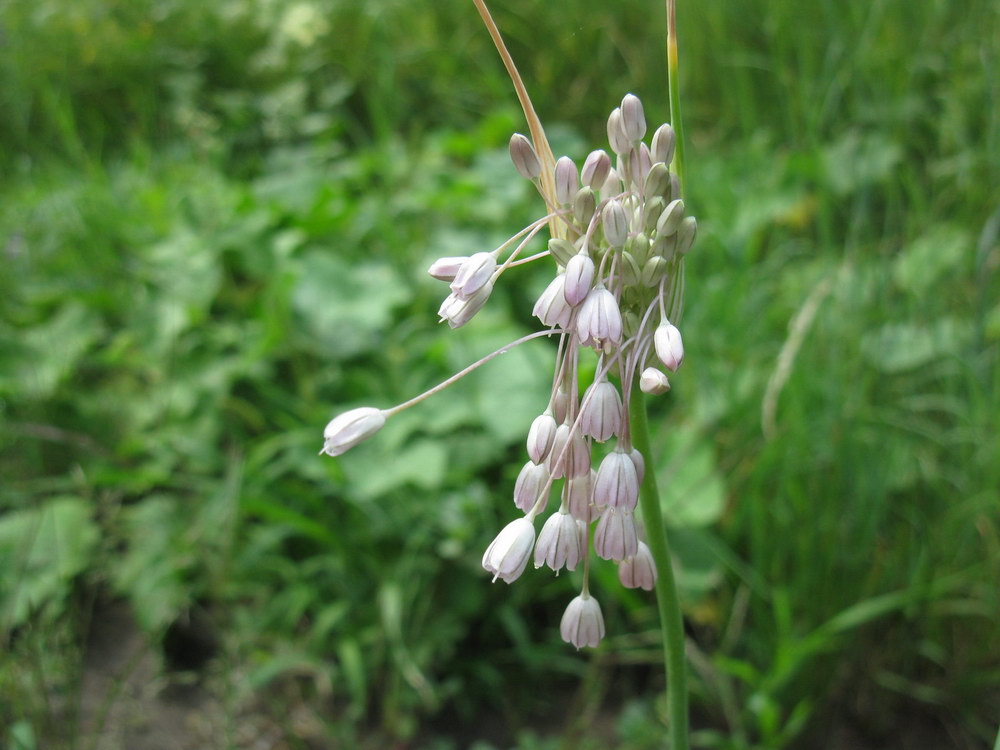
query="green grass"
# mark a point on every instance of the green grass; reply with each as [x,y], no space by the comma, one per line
[215,220]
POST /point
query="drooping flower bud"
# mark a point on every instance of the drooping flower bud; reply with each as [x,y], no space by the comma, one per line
[473,275]
[669,346]
[529,485]
[560,405]
[458,311]
[552,308]
[653,381]
[522,153]
[578,493]
[617,484]
[562,250]
[633,118]
[596,169]
[559,543]
[599,319]
[566,180]
[582,623]
[579,277]
[508,554]
[619,141]
[540,436]
[671,217]
[686,233]
[638,571]
[346,430]
[570,455]
[444,269]
[663,144]
[601,411]
[640,464]
[615,537]
[615,223]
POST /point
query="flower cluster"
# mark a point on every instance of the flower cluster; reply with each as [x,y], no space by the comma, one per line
[619,236]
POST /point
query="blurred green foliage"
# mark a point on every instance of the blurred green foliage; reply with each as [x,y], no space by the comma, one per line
[214,221]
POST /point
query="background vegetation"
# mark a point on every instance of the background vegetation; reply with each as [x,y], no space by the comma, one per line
[214,223]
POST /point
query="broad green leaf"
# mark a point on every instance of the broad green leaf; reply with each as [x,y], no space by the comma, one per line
[897,347]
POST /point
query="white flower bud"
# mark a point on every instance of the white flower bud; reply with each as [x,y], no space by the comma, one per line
[579,277]
[612,185]
[578,493]
[599,319]
[657,182]
[566,180]
[663,144]
[540,436]
[669,346]
[444,269]
[560,405]
[473,275]
[639,164]
[458,311]
[653,381]
[562,250]
[671,217]
[638,571]
[615,537]
[617,484]
[615,223]
[640,464]
[522,153]
[686,233]
[508,554]
[596,169]
[582,623]
[620,143]
[570,455]
[552,308]
[346,430]
[633,118]
[559,543]
[601,414]
[529,485]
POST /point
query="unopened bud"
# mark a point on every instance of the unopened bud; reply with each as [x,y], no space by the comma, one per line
[665,246]
[346,430]
[615,223]
[444,269]
[596,169]
[508,554]
[639,164]
[657,182]
[582,623]
[686,233]
[579,277]
[640,464]
[560,405]
[671,217]
[552,308]
[566,180]
[473,274]
[528,488]
[638,246]
[570,454]
[663,144]
[651,211]
[612,185]
[562,250]
[522,153]
[630,269]
[540,436]
[633,118]
[638,571]
[558,543]
[619,141]
[675,187]
[458,311]
[584,206]
[654,269]
[653,381]
[669,346]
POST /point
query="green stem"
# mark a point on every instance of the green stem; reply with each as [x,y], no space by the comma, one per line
[674,92]
[671,620]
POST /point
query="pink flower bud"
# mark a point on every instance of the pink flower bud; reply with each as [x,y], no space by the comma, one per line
[633,118]
[640,464]
[540,436]
[639,164]
[570,454]
[596,169]
[615,223]
[458,311]
[473,275]
[668,344]
[663,144]
[602,411]
[552,308]
[599,319]
[529,485]
[522,153]
[653,381]
[583,623]
[560,405]
[617,483]
[579,277]
[346,430]
[566,180]
[615,537]
[579,497]
[559,543]
[508,554]
[619,141]
[444,269]
[638,571]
